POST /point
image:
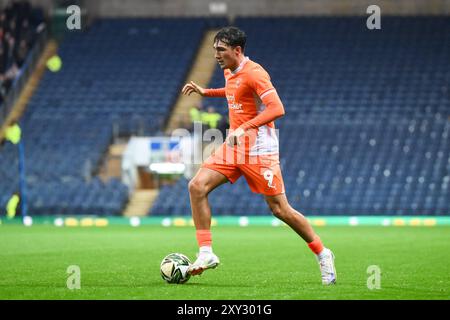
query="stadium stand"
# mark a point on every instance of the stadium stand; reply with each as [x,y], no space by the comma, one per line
[119,77]
[367,117]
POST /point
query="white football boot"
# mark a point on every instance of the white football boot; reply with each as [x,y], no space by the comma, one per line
[204,262]
[327,269]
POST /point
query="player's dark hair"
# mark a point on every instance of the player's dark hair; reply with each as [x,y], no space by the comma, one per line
[232,36]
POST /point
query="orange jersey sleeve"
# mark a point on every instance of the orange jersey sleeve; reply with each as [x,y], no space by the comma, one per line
[259,81]
[218,93]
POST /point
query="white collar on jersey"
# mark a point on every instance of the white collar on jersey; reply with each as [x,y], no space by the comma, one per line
[241,65]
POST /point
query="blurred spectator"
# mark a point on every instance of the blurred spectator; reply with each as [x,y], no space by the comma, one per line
[195,113]
[26,33]
[21,53]
[19,25]
[211,118]
[13,133]
[13,207]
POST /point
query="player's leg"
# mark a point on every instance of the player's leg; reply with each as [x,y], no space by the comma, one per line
[216,170]
[281,209]
[200,186]
[264,176]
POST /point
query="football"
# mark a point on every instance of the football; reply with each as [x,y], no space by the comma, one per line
[174,268]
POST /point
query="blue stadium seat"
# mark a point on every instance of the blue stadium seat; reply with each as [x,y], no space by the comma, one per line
[366,129]
[121,74]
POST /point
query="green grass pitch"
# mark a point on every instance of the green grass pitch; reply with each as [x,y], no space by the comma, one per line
[121,262]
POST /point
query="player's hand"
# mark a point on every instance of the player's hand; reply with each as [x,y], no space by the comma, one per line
[192,87]
[233,138]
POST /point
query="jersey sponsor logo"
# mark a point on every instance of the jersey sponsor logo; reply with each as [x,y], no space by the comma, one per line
[232,104]
[237,107]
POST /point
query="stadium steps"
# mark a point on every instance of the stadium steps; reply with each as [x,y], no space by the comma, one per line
[201,72]
[112,166]
[19,107]
[140,202]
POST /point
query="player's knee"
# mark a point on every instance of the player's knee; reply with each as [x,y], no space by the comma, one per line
[276,211]
[196,188]
[280,211]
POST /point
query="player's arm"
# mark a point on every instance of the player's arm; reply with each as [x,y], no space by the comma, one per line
[274,110]
[260,82]
[193,87]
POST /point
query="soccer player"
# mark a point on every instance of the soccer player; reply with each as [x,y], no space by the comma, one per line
[250,149]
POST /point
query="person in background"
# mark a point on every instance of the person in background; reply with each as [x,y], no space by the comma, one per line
[195,113]
[212,118]
[12,206]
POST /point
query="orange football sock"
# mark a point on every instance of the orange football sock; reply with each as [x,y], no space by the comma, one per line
[316,245]
[204,238]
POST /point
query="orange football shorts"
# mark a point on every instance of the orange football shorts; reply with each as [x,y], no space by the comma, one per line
[262,172]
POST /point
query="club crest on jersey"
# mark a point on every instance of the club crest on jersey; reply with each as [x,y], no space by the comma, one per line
[238,83]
